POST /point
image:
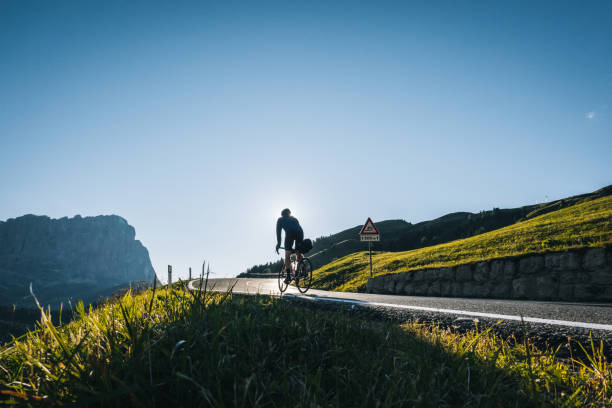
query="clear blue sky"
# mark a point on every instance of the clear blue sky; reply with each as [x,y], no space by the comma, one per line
[199,122]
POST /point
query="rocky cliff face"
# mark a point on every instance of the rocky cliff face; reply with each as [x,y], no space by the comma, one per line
[77,258]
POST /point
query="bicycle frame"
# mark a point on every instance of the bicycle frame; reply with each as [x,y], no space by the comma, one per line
[293,264]
[299,271]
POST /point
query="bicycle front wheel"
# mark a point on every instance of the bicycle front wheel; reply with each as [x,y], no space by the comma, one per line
[282,275]
[305,268]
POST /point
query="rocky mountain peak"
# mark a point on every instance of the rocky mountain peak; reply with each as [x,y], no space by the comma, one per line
[69,256]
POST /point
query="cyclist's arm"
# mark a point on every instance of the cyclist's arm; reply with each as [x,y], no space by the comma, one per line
[278,232]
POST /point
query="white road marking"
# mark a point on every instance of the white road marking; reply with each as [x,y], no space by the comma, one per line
[567,323]
[593,326]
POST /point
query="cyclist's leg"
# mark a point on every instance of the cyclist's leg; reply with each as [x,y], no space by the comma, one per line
[290,237]
[289,240]
[287,259]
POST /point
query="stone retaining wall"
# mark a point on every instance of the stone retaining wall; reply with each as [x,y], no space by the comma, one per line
[579,275]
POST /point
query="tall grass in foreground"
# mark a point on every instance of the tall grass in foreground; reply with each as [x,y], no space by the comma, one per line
[579,226]
[175,348]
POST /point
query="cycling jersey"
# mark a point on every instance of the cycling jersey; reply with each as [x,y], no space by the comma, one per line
[292,230]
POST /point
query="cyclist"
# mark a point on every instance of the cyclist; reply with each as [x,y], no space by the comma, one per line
[293,233]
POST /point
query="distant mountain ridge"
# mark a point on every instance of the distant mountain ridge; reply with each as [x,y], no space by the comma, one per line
[68,258]
[399,235]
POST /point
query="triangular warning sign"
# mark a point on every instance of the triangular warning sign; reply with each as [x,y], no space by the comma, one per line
[369,228]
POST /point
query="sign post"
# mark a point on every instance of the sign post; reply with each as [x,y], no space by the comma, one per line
[190,273]
[369,233]
[370,249]
[169,275]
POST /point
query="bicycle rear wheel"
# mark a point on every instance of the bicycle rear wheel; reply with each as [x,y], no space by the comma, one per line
[282,275]
[305,274]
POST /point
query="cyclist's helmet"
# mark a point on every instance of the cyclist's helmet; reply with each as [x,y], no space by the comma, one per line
[286,212]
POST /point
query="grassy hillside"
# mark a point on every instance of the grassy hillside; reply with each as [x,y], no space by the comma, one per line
[176,348]
[581,225]
[399,235]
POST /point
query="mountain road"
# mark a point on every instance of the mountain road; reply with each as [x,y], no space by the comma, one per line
[547,321]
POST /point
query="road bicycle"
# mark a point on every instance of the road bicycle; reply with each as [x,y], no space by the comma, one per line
[300,271]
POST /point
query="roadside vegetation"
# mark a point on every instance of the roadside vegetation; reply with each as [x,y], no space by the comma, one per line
[172,347]
[399,235]
[582,225]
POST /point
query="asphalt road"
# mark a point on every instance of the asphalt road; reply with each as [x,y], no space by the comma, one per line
[546,322]
[590,315]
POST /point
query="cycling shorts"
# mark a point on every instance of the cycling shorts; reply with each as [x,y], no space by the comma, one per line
[293,237]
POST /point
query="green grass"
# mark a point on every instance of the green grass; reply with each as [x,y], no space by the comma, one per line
[174,348]
[582,225]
